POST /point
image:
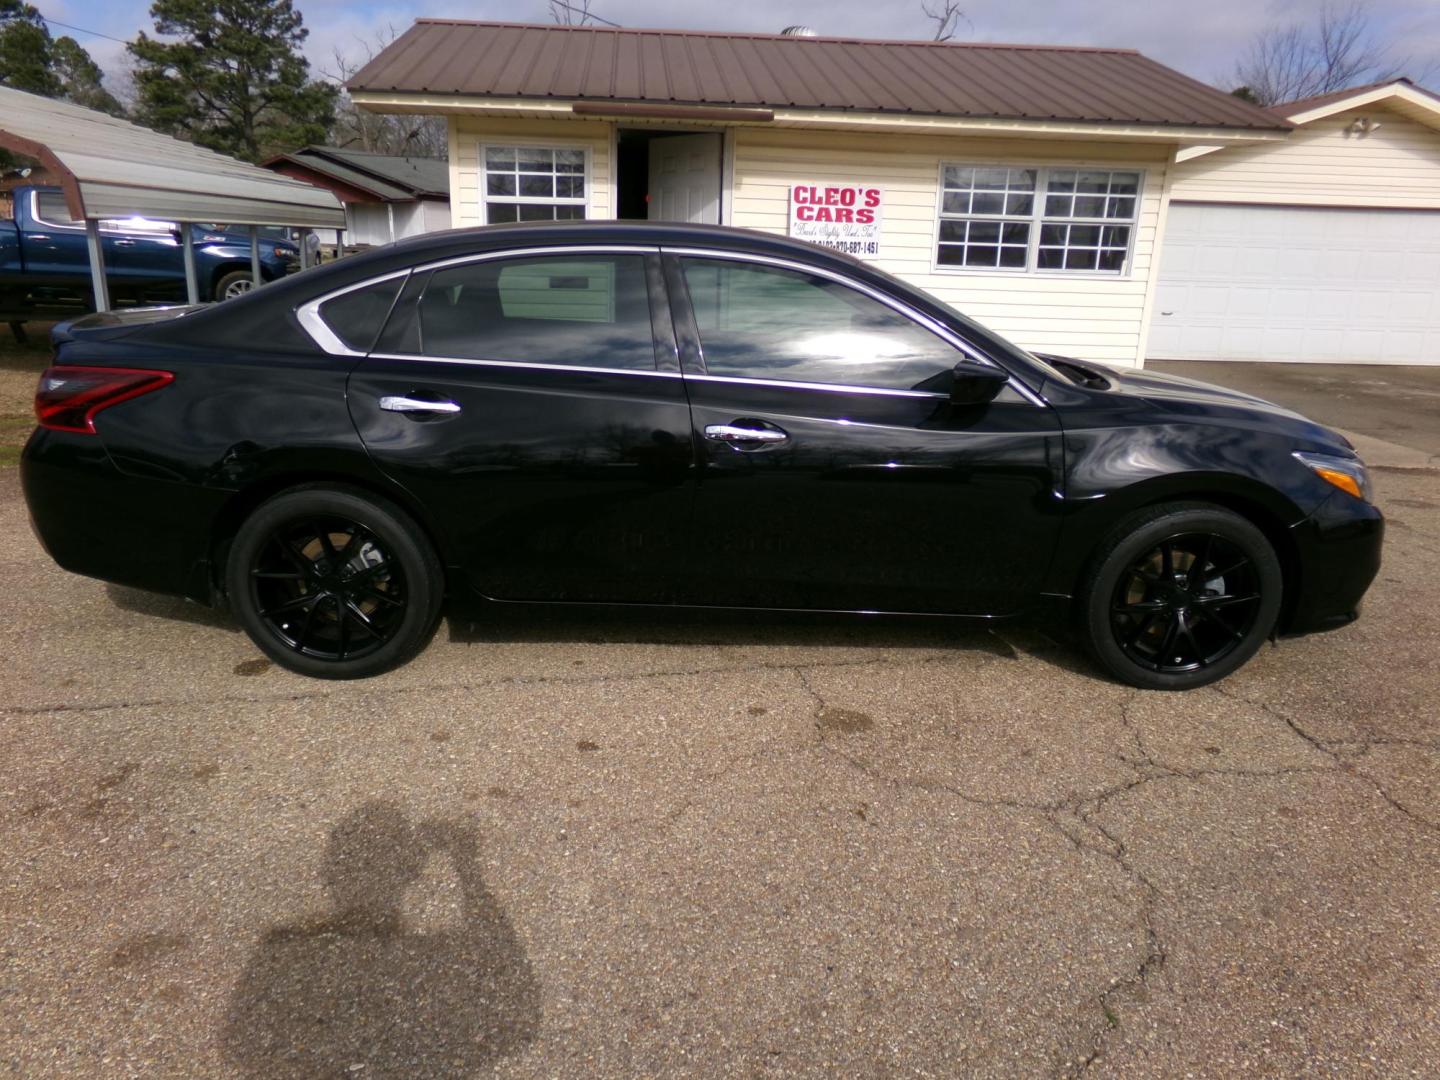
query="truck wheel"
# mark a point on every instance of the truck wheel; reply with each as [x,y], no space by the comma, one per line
[235,283]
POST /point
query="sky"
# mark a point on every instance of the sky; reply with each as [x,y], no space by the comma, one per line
[1202,38]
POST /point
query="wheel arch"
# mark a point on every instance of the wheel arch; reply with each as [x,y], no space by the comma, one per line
[245,501]
[1265,508]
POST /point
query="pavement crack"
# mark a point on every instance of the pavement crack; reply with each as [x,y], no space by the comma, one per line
[330,691]
[1331,750]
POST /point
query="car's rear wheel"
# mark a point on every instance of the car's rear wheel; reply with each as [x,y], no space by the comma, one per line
[1179,596]
[334,583]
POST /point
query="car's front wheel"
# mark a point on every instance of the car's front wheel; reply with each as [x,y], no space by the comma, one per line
[334,583]
[235,283]
[1179,596]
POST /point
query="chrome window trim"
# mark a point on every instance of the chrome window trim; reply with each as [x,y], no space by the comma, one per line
[529,365]
[308,314]
[309,318]
[941,331]
[553,249]
[876,391]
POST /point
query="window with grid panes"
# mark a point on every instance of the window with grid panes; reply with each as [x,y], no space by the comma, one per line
[533,183]
[1045,219]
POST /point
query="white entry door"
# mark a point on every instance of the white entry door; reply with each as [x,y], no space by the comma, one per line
[685,179]
[1295,283]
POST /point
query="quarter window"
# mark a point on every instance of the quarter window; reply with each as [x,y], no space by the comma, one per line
[997,217]
[356,317]
[570,310]
[533,183]
[764,322]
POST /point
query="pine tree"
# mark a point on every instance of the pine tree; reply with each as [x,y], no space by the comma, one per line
[31,60]
[235,79]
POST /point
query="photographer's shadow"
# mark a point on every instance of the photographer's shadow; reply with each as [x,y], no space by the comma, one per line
[356,988]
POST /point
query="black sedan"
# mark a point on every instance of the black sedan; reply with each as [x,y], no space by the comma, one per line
[611,413]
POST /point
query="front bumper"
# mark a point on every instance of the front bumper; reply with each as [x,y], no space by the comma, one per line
[1338,556]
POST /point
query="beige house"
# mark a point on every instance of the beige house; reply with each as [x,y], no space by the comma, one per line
[1325,247]
[1028,186]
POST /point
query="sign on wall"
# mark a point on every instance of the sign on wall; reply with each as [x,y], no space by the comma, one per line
[842,217]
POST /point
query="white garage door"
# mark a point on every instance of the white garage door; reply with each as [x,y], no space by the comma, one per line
[1298,283]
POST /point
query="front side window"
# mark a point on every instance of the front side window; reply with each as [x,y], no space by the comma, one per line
[765,322]
[1053,220]
[567,310]
[51,210]
[533,183]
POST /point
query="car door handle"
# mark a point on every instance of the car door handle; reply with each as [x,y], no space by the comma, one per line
[733,433]
[397,403]
[124,243]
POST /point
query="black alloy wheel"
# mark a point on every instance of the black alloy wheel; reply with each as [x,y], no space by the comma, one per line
[334,582]
[327,588]
[1180,595]
[1186,603]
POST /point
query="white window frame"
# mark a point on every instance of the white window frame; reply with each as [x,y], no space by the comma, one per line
[1037,220]
[534,200]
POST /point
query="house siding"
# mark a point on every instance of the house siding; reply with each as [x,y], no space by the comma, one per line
[468,134]
[1099,317]
[1396,166]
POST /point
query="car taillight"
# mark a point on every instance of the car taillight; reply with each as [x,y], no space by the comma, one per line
[68,398]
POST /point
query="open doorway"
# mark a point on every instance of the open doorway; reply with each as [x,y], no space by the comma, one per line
[668,175]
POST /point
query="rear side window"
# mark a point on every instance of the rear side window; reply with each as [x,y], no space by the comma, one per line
[764,322]
[51,207]
[566,310]
[356,317]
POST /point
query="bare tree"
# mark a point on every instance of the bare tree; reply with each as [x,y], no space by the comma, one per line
[1300,60]
[399,135]
[571,12]
[945,15]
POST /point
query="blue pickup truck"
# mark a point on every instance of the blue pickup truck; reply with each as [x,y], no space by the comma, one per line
[44,256]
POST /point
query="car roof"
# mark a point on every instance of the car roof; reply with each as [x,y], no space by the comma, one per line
[659,233]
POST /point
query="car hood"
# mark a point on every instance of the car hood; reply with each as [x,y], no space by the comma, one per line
[1195,399]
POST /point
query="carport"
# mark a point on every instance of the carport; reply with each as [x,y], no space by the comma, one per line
[110,168]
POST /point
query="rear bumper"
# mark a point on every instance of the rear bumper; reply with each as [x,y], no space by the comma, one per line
[94,520]
[1338,548]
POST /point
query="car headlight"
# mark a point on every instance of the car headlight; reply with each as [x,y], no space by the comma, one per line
[1347,474]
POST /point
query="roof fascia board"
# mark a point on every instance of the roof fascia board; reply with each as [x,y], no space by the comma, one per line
[480,105]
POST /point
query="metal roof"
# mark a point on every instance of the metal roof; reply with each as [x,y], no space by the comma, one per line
[387,177]
[953,79]
[113,168]
[1303,105]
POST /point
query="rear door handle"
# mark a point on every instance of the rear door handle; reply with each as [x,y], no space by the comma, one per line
[399,403]
[736,435]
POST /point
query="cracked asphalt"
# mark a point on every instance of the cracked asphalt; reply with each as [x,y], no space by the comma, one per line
[642,844]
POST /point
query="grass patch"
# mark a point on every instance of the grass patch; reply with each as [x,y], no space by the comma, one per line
[14,430]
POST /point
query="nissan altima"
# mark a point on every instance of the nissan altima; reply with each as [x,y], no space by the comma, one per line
[629,413]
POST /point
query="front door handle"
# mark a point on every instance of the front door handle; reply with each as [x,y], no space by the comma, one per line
[737,436]
[399,403]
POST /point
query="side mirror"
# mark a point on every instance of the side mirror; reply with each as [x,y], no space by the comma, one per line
[976,384]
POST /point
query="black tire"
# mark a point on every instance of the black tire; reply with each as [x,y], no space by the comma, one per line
[233,284]
[1179,595]
[334,582]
